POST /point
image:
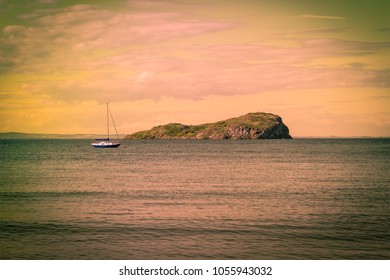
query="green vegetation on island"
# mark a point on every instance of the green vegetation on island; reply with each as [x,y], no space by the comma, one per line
[249,126]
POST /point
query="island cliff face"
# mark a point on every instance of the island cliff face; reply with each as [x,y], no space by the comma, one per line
[249,126]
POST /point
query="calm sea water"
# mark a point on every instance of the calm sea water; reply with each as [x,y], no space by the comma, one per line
[267,199]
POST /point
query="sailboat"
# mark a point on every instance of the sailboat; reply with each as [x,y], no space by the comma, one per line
[106,142]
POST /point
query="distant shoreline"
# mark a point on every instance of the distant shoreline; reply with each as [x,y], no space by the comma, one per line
[22,135]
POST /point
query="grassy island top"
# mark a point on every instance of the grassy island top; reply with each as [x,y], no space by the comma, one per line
[249,126]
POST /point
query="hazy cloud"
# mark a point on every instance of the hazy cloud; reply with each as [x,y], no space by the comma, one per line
[47,1]
[323,17]
[321,31]
[222,70]
[141,53]
[383,29]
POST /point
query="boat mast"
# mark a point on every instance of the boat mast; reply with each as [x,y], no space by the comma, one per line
[108,125]
[113,122]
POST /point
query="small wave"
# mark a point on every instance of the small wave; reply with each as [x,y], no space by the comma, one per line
[42,194]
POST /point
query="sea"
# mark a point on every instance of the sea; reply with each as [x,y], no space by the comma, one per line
[299,199]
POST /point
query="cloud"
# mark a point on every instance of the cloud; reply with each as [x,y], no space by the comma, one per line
[380,97]
[322,17]
[319,31]
[339,47]
[47,1]
[57,39]
[383,29]
[224,70]
[151,50]
[155,4]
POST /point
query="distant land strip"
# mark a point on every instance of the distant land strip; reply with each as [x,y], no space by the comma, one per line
[22,135]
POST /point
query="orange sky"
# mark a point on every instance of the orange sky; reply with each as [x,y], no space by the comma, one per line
[323,67]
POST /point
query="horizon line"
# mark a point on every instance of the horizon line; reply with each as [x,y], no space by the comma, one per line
[124,134]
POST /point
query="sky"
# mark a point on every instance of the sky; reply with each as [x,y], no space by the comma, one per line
[323,66]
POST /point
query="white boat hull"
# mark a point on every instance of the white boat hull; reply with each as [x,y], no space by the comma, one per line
[105,144]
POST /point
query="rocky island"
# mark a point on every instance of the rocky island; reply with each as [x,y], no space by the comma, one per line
[249,126]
